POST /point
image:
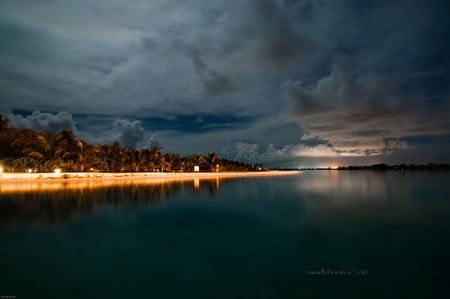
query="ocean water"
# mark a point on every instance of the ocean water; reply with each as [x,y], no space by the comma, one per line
[319,234]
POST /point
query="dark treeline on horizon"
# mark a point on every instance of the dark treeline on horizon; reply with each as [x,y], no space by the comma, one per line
[22,150]
[383,166]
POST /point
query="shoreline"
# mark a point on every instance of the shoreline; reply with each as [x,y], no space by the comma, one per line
[14,182]
[70,176]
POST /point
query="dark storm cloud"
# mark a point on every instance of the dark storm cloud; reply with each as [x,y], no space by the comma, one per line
[170,59]
[267,25]
[245,151]
[360,116]
[105,129]
[252,36]
[128,133]
[404,41]
[213,82]
[41,121]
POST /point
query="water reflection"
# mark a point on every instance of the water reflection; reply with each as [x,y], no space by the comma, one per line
[330,194]
[344,187]
[42,204]
[37,186]
[374,197]
[259,237]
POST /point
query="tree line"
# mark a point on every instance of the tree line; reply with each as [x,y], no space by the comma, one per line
[384,167]
[401,167]
[23,150]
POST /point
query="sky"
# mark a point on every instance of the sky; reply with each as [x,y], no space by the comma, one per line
[308,83]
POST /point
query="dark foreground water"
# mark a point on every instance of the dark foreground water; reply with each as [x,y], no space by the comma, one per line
[324,234]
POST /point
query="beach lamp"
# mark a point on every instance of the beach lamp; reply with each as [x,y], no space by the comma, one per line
[57,170]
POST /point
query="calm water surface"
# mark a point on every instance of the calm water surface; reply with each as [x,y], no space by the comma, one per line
[319,234]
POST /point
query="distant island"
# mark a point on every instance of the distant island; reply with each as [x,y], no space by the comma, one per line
[25,150]
[383,167]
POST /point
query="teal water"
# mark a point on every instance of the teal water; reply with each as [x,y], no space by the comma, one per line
[319,234]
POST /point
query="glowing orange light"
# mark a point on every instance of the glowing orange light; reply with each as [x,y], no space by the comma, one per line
[196,183]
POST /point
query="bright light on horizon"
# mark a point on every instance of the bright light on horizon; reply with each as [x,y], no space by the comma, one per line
[57,170]
[1,169]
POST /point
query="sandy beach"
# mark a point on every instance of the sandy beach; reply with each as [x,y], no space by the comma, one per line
[13,182]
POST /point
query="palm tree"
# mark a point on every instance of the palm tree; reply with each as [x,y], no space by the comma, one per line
[4,122]
[43,149]
[86,156]
[173,162]
[213,161]
[134,161]
[155,158]
[27,148]
[115,157]
[144,160]
[7,136]
[102,159]
[21,139]
[66,148]
[66,141]
[199,160]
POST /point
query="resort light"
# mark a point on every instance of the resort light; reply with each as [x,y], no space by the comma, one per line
[1,169]
[30,170]
[57,170]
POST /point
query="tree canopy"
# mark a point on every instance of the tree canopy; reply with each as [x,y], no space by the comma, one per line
[23,150]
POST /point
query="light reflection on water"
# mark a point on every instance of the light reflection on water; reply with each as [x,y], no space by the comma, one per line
[80,184]
[344,186]
[38,204]
[231,238]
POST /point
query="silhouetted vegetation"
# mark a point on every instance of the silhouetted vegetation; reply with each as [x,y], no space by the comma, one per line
[385,167]
[25,150]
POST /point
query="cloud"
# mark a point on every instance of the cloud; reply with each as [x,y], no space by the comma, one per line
[274,33]
[396,145]
[256,37]
[246,151]
[358,116]
[299,150]
[250,152]
[171,59]
[42,121]
[154,142]
[127,133]
[214,83]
